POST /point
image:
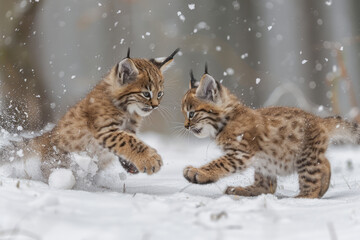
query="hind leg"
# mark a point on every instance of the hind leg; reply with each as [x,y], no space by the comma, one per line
[325,179]
[314,176]
[262,184]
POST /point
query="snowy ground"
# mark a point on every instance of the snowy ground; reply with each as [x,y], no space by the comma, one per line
[165,206]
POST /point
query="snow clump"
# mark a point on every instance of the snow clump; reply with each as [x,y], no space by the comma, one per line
[62,179]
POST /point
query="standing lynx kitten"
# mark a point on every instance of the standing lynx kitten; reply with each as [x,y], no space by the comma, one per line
[276,141]
[107,119]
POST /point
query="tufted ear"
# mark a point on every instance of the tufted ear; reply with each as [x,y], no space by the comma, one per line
[126,71]
[193,82]
[208,88]
[165,62]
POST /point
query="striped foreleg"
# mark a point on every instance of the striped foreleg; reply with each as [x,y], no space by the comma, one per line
[219,168]
[127,146]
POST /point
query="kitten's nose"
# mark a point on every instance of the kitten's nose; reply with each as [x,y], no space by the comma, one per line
[155,106]
[187,126]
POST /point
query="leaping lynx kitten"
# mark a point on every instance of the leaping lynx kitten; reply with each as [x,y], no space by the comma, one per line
[107,119]
[276,141]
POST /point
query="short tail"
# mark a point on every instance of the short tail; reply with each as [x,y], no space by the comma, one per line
[341,130]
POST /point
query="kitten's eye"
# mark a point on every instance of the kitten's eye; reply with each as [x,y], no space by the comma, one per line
[160,94]
[146,94]
[191,114]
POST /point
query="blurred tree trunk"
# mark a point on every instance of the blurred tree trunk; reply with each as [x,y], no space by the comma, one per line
[22,91]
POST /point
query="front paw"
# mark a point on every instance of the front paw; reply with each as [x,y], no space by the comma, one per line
[128,166]
[240,191]
[197,175]
[232,190]
[150,162]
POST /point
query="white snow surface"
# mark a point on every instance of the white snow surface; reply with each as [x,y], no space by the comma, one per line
[166,206]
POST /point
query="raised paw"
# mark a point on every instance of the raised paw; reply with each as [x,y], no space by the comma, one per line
[197,175]
[150,162]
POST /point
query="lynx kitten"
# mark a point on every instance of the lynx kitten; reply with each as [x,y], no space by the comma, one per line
[105,122]
[275,141]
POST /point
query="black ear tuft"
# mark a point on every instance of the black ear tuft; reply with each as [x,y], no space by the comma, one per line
[171,57]
[206,68]
[193,82]
[164,63]
[168,59]
[128,53]
[173,54]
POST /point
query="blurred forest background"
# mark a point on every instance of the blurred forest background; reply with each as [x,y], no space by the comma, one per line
[269,52]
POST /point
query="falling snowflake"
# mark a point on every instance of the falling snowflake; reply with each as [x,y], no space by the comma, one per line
[201,25]
[20,153]
[191,6]
[230,71]
[52,105]
[236,5]
[181,16]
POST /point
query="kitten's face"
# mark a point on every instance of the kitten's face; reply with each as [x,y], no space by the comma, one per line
[146,92]
[200,117]
[201,107]
[138,84]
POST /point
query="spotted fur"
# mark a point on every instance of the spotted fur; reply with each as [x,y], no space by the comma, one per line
[104,124]
[275,141]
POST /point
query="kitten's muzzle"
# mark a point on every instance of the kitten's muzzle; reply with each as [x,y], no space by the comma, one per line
[149,108]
